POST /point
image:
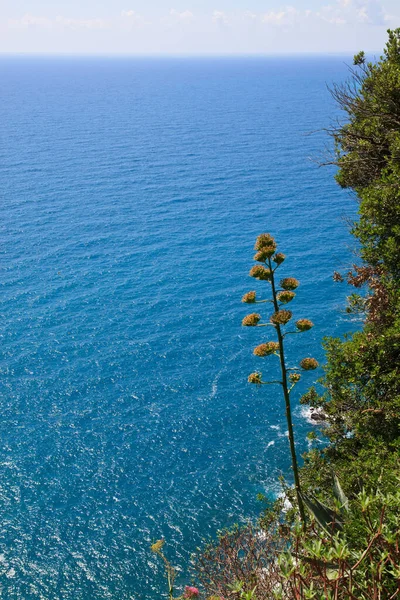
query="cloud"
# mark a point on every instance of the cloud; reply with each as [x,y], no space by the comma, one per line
[81,23]
[281,17]
[250,15]
[353,12]
[186,15]
[132,18]
[342,12]
[220,17]
[29,20]
[248,24]
[273,17]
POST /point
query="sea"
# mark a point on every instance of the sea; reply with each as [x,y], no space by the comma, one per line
[131,194]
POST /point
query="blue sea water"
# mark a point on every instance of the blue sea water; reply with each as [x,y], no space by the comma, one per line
[131,194]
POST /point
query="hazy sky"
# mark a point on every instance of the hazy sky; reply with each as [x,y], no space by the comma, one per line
[189,27]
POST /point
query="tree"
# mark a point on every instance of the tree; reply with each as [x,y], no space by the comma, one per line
[361,396]
[368,157]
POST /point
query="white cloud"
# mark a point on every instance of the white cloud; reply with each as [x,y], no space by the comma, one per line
[285,16]
[250,15]
[362,14]
[339,13]
[29,20]
[273,17]
[81,23]
[339,25]
[220,17]
[186,15]
[132,18]
[354,11]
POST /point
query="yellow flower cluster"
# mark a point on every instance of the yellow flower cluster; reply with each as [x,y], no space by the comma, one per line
[304,324]
[290,283]
[285,296]
[260,272]
[251,320]
[255,378]
[279,258]
[249,298]
[266,349]
[263,240]
[157,546]
[281,317]
[265,253]
[308,364]
[294,377]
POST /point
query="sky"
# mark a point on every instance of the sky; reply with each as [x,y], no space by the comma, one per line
[186,27]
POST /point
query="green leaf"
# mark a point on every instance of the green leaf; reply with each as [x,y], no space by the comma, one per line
[316,561]
[332,574]
[325,516]
[339,493]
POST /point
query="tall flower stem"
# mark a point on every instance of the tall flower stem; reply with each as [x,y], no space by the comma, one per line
[286,395]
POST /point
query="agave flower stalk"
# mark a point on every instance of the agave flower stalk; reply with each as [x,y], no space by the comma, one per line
[266,254]
[286,395]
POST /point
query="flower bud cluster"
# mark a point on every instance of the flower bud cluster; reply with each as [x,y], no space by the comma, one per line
[263,240]
[157,546]
[255,378]
[281,317]
[251,320]
[308,364]
[264,253]
[249,298]
[290,283]
[294,377]
[266,349]
[261,273]
[285,296]
[279,258]
[304,324]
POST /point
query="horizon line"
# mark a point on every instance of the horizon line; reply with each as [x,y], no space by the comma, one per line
[183,55]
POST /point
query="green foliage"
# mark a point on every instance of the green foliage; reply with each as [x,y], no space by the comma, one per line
[339,494]
[362,386]
[330,519]
[368,155]
[360,561]
[356,304]
[238,589]
[360,396]
[369,141]
[325,516]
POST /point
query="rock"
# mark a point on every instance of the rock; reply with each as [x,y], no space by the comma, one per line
[318,416]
